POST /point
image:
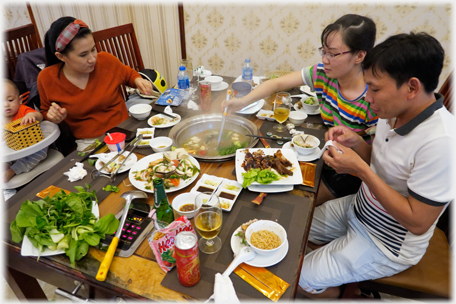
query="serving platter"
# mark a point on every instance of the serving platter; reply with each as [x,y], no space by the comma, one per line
[168,124]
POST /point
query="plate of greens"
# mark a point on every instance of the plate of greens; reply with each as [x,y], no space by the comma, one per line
[279,167]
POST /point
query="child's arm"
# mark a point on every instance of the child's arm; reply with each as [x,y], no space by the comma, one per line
[31,117]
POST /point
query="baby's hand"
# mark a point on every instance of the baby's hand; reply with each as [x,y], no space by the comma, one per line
[28,119]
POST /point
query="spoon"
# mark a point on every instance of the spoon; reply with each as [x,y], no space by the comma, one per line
[228,96]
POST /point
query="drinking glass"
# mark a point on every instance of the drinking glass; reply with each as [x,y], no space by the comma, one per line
[187,63]
[264,74]
[282,107]
[208,222]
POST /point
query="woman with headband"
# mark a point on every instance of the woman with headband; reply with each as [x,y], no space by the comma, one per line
[82,87]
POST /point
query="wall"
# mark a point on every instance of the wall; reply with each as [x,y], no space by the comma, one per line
[286,36]
[156,26]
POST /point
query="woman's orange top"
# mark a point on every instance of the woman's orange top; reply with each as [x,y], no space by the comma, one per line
[97,108]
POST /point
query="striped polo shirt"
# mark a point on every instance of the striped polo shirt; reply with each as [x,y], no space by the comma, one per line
[335,109]
[416,159]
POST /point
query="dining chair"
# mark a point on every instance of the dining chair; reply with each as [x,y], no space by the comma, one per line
[447,91]
[19,40]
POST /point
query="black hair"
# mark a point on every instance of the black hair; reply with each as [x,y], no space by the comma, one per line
[357,32]
[53,33]
[10,82]
[404,56]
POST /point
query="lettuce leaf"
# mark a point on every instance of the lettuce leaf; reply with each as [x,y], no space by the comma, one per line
[265,176]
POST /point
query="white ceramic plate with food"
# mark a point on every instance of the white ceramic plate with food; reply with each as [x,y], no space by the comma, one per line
[306,158]
[258,260]
[143,163]
[253,109]
[295,179]
[163,121]
[27,249]
[228,193]
[147,133]
[207,183]
[270,188]
[296,107]
[105,157]
[306,89]
[266,115]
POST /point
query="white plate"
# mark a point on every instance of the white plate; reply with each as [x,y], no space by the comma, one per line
[27,249]
[306,89]
[258,260]
[253,109]
[221,87]
[270,189]
[169,124]
[306,158]
[222,187]
[268,114]
[105,157]
[316,112]
[146,143]
[295,179]
[202,180]
[143,130]
[143,163]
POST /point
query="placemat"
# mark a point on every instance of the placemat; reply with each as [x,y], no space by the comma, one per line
[287,209]
[320,134]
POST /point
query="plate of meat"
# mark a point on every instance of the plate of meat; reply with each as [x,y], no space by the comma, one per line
[281,161]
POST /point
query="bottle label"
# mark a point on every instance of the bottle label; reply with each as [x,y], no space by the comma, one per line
[183,83]
[247,73]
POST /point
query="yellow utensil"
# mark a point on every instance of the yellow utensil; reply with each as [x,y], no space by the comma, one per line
[106,263]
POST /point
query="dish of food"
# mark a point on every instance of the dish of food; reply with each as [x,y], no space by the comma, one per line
[259,260]
[146,132]
[306,158]
[265,115]
[207,183]
[205,143]
[163,121]
[105,157]
[228,193]
[177,168]
[298,107]
[282,162]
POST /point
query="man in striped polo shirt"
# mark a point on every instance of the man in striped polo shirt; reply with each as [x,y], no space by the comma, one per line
[407,174]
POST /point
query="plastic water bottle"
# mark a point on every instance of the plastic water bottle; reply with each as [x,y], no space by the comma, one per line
[183,81]
[247,72]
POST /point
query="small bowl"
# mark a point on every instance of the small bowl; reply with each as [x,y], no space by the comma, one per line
[184,199]
[266,225]
[140,111]
[310,108]
[309,139]
[161,144]
[215,81]
[241,88]
[297,117]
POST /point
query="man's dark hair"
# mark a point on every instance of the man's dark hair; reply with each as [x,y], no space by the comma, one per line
[404,56]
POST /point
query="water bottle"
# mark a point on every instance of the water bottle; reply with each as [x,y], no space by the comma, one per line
[247,72]
[183,81]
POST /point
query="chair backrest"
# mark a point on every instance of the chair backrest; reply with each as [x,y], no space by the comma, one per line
[121,42]
[19,40]
[447,91]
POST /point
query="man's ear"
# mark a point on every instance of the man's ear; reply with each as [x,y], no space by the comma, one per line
[413,86]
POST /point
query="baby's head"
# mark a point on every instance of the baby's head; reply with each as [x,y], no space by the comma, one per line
[13,99]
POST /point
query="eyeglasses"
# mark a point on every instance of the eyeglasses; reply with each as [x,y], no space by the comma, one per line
[330,55]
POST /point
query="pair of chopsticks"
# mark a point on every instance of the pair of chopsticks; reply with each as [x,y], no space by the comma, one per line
[262,195]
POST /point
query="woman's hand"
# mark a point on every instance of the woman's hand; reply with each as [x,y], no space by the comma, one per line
[234,104]
[144,86]
[56,114]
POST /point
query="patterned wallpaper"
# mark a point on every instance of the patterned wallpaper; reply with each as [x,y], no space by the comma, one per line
[285,37]
[281,37]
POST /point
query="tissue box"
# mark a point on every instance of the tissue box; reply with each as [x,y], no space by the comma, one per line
[18,137]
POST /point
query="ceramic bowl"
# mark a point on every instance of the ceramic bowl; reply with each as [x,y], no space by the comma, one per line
[161,144]
[184,199]
[140,111]
[310,108]
[241,88]
[297,117]
[313,141]
[215,81]
[266,225]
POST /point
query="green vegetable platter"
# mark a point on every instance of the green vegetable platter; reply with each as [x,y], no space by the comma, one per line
[65,223]
[265,177]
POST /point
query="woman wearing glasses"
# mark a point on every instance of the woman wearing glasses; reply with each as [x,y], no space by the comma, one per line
[339,84]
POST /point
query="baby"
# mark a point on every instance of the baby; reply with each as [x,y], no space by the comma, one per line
[14,109]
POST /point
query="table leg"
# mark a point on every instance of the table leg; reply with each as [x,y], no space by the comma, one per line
[24,286]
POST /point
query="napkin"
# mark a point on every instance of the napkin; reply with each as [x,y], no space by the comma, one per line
[76,173]
[200,71]
[192,105]
[168,110]
[224,292]
[327,144]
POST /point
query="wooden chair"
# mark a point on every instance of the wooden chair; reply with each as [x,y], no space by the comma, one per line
[121,42]
[19,40]
[447,91]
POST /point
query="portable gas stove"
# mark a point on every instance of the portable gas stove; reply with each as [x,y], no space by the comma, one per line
[136,228]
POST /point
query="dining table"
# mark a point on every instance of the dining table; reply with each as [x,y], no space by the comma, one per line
[139,276]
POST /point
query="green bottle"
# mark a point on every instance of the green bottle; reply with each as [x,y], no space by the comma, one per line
[163,209]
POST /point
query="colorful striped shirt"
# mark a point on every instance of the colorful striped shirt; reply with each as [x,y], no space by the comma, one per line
[335,109]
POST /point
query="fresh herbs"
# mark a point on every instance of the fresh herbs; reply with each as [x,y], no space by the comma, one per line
[265,176]
[111,188]
[241,234]
[232,149]
[64,221]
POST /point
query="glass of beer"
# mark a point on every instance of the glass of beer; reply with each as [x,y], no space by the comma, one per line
[282,107]
[208,222]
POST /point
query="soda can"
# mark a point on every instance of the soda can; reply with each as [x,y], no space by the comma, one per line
[187,258]
[206,97]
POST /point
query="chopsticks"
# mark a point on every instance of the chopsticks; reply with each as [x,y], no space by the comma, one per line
[269,137]
[262,195]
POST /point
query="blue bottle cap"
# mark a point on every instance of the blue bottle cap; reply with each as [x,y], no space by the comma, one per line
[181,68]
